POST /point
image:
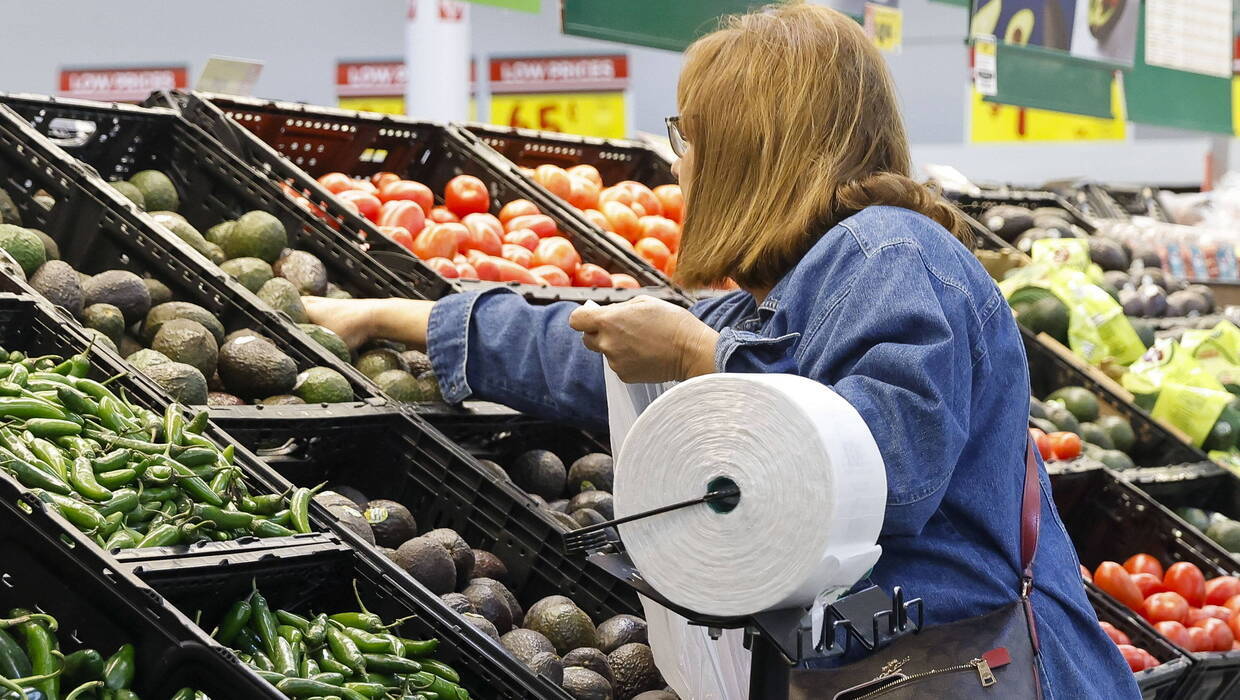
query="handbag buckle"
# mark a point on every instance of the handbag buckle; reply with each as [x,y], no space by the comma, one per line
[1026,587]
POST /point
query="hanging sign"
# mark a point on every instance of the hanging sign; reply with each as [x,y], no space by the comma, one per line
[131,84]
[1190,35]
[571,94]
[378,85]
[884,24]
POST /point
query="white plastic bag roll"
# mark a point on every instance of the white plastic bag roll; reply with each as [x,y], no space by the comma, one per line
[812,489]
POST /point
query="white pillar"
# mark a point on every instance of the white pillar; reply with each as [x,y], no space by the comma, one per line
[437,60]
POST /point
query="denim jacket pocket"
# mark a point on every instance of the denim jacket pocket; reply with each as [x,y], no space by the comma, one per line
[745,351]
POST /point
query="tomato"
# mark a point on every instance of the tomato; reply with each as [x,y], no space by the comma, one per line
[557,251]
[591,275]
[1042,442]
[643,197]
[1176,633]
[552,275]
[620,280]
[466,194]
[1199,640]
[382,178]
[1194,616]
[1150,661]
[509,271]
[480,234]
[1085,573]
[486,267]
[517,207]
[367,204]
[1065,445]
[622,219]
[638,209]
[554,179]
[1134,657]
[1116,636]
[1233,604]
[409,190]
[1221,588]
[596,217]
[351,206]
[365,186]
[672,200]
[1187,580]
[653,251]
[541,224]
[663,229]
[1138,563]
[399,234]
[337,182]
[582,193]
[518,254]
[444,267]
[1234,624]
[458,258]
[441,215]
[615,193]
[526,172]
[522,237]
[1148,584]
[1166,606]
[459,232]
[437,241]
[1112,578]
[399,212]
[620,241]
[1217,612]
[466,271]
[588,172]
[1221,635]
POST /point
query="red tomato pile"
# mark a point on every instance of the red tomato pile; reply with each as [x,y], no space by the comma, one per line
[462,239]
[1060,446]
[634,216]
[1193,613]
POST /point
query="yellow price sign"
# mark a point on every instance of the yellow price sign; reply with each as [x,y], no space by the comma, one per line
[885,25]
[587,114]
[992,122]
[390,105]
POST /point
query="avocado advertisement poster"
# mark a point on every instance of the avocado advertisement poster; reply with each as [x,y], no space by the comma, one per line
[1046,23]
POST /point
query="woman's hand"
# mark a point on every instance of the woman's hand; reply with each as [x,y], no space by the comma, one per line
[648,340]
[359,320]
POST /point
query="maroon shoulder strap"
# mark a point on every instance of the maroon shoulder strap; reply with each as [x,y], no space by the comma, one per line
[1030,517]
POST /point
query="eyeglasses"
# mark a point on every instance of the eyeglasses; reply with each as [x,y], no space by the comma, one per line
[680,145]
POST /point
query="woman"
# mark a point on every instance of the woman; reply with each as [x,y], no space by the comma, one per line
[795,171]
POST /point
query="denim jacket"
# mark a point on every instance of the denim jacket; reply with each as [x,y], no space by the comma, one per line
[902,321]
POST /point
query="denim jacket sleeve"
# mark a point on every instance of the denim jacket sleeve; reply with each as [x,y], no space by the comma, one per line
[528,358]
[894,343]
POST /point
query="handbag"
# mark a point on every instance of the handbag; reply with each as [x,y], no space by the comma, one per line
[989,656]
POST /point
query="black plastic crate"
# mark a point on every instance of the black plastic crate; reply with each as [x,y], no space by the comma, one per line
[1155,446]
[320,579]
[1138,200]
[1161,682]
[386,454]
[975,204]
[1109,519]
[99,605]
[97,229]
[1214,490]
[296,143]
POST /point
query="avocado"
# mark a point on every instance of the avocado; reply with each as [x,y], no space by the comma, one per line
[282,400]
[585,517]
[356,497]
[429,563]
[214,253]
[1094,434]
[1007,221]
[490,605]
[540,472]
[186,232]
[374,362]
[1225,431]
[1186,303]
[98,338]
[57,282]
[217,233]
[428,388]
[128,345]
[1119,431]
[1195,517]
[1047,315]
[514,606]
[251,273]
[256,234]
[128,191]
[1144,329]
[281,295]
[563,519]
[542,604]
[122,289]
[565,624]
[146,358]
[1114,459]
[664,694]
[243,332]
[494,470]
[617,631]
[252,367]
[50,249]
[188,341]
[1063,419]
[417,363]
[158,291]
[560,504]
[592,659]
[487,565]
[482,624]
[462,555]
[346,514]
[549,666]
[1205,293]
[525,644]
[219,398]
[593,498]
[1226,532]
[168,215]
[391,521]
[9,213]
[328,339]
[334,292]
[457,602]
[634,670]
[595,468]
[400,385]
[322,385]
[306,272]
[183,382]
[106,319]
[584,684]
[24,246]
[158,192]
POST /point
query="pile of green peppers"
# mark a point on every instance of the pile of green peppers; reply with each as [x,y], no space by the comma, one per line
[32,666]
[123,474]
[350,655]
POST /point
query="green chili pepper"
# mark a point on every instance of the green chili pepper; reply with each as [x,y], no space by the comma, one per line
[265,504]
[50,455]
[284,517]
[18,447]
[266,528]
[270,676]
[22,407]
[184,694]
[19,375]
[118,672]
[52,427]
[92,388]
[193,485]
[174,425]
[299,504]
[116,478]
[111,524]
[82,478]
[345,651]
[368,690]
[316,632]
[113,417]
[76,512]
[32,477]
[116,459]
[367,642]
[293,620]
[158,474]
[112,440]
[263,661]
[13,660]
[40,648]
[122,501]
[247,641]
[123,539]
[359,620]
[226,519]
[77,445]
[76,401]
[309,668]
[227,454]
[391,663]
[193,440]
[162,535]
[83,665]
[418,648]
[306,688]
[221,480]
[283,658]
[198,423]
[440,669]
[198,456]
[234,621]
[160,493]
[329,663]
[331,678]
[263,621]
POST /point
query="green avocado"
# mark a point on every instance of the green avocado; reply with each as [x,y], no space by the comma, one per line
[322,385]
[281,295]
[130,192]
[252,273]
[256,234]
[24,246]
[184,383]
[9,213]
[106,319]
[1079,400]
[327,339]
[158,192]
[57,282]
[167,311]
[253,367]
[188,341]
[122,289]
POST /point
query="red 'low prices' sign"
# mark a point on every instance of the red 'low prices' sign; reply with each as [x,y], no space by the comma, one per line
[121,84]
[370,78]
[560,74]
